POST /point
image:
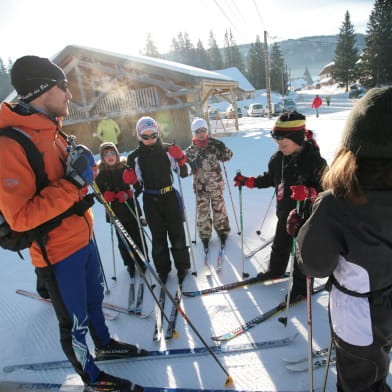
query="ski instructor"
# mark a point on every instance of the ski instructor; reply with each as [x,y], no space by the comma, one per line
[64,254]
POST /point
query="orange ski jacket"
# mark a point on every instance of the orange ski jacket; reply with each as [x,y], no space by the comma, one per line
[21,206]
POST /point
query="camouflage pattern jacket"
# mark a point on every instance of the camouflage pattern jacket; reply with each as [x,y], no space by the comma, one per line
[207,173]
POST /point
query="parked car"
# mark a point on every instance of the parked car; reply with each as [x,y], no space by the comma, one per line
[256,110]
[212,113]
[288,104]
[230,112]
[356,93]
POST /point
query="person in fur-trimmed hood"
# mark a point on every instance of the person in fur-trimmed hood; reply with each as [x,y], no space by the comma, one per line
[205,154]
[119,195]
[348,237]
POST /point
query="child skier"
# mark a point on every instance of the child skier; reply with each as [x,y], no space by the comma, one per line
[151,165]
[118,194]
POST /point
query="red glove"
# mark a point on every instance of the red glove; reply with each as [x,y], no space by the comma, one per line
[122,196]
[302,192]
[294,223]
[175,152]
[109,196]
[129,176]
[241,180]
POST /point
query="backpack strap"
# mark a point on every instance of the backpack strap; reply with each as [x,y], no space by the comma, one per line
[33,155]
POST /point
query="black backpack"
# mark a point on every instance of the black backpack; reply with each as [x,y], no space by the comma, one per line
[17,241]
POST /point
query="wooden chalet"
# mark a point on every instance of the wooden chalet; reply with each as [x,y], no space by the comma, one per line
[125,88]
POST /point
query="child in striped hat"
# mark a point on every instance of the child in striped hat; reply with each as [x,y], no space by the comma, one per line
[295,172]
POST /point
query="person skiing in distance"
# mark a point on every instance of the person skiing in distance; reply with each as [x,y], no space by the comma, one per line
[65,256]
[328,100]
[150,166]
[205,154]
[118,194]
[295,169]
[317,102]
[348,238]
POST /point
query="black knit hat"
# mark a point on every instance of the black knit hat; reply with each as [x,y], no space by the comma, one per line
[291,125]
[368,130]
[32,76]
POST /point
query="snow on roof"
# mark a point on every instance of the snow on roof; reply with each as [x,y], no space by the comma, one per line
[156,62]
[326,67]
[235,74]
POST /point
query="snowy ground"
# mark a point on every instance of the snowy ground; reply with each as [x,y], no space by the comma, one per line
[29,329]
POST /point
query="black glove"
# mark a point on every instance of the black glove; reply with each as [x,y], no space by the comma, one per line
[294,223]
[83,205]
[79,166]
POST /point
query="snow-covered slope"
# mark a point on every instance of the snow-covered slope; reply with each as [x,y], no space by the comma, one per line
[29,331]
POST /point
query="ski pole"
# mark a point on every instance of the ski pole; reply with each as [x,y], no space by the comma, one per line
[100,264]
[244,274]
[129,241]
[283,320]
[114,277]
[258,232]
[231,198]
[186,220]
[137,220]
[136,215]
[194,241]
[328,362]
[310,335]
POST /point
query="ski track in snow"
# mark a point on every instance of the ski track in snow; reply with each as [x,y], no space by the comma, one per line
[29,328]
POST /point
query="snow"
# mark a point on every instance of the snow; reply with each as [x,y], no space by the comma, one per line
[29,328]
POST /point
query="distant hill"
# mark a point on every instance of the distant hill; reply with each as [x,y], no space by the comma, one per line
[312,52]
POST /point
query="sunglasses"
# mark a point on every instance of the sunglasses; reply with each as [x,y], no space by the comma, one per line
[109,153]
[60,83]
[279,137]
[149,137]
[201,130]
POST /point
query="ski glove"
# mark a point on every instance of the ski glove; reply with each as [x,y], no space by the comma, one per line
[302,192]
[129,176]
[294,223]
[177,154]
[79,166]
[123,196]
[109,196]
[240,180]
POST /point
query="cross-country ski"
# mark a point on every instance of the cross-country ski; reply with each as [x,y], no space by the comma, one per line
[171,353]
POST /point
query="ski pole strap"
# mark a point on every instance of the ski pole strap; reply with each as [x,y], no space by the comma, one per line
[372,295]
[161,191]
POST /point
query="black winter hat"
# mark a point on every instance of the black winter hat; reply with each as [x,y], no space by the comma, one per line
[290,125]
[32,76]
[368,130]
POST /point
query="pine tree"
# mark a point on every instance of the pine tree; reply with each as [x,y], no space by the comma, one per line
[232,53]
[182,49]
[150,48]
[308,77]
[214,53]
[346,54]
[377,58]
[278,77]
[256,65]
[5,82]
[202,59]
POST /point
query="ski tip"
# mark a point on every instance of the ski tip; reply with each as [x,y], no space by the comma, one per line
[175,334]
[283,320]
[229,382]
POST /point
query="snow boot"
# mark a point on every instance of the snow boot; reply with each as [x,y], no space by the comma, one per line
[115,350]
[107,383]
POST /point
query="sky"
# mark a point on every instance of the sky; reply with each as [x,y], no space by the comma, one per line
[45,27]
